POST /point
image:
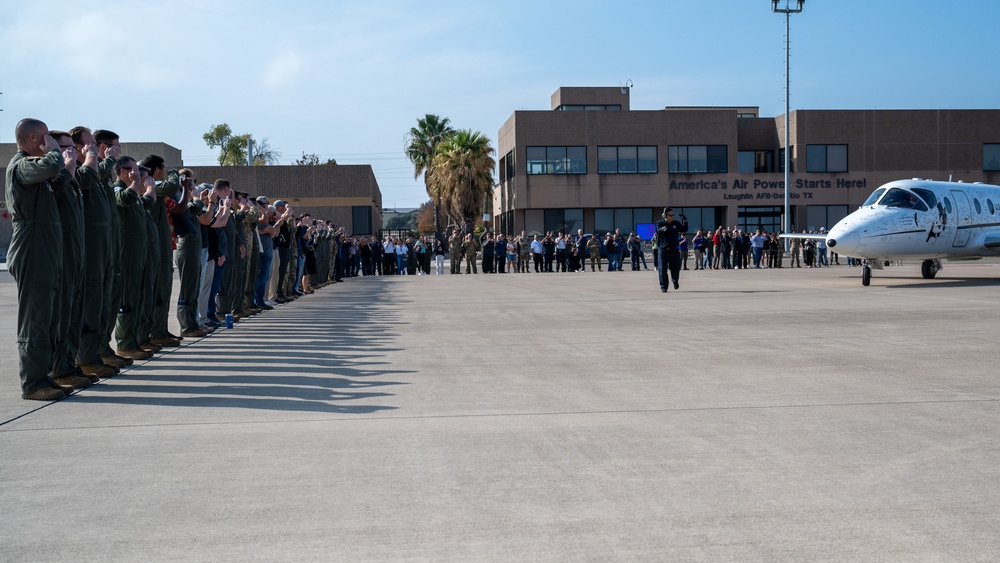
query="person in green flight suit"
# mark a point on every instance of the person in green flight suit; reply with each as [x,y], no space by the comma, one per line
[69,202]
[98,273]
[168,184]
[109,150]
[36,172]
[150,281]
[129,196]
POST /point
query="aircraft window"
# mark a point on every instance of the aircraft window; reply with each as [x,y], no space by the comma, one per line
[989,204]
[947,205]
[897,197]
[873,198]
[979,208]
[928,196]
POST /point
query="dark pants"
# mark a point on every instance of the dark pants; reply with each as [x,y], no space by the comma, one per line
[164,285]
[284,255]
[538,261]
[189,264]
[670,267]
[37,325]
[98,277]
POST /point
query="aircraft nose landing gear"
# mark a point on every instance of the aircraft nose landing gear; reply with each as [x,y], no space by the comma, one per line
[866,275]
[930,268]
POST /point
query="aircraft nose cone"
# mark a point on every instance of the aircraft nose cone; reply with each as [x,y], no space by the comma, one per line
[844,240]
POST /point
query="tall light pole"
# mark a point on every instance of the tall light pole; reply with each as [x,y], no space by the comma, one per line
[788,11]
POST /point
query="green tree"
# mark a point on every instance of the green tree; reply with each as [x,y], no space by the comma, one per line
[233,148]
[312,159]
[463,175]
[421,146]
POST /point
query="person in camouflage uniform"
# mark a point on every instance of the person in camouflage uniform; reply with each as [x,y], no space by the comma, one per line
[594,247]
[469,249]
[523,253]
[455,252]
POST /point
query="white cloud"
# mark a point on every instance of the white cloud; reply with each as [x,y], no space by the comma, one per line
[282,70]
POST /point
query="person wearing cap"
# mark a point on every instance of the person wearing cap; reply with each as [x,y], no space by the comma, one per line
[283,244]
[268,230]
[668,236]
[185,214]
[209,224]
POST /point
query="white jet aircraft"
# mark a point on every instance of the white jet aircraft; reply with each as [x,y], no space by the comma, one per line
[922,220]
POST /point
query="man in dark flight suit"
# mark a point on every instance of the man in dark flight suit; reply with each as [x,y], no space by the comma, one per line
[168,185]
[133,258]
[109,150]
[668,235]
[37,170]
[69,202]
[97,208]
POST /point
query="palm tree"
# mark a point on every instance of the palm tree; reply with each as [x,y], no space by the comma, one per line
[421,146]
[463,175]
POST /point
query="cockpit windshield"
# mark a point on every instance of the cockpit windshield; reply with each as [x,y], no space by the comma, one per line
[929,198]
[898,197]
[874,197]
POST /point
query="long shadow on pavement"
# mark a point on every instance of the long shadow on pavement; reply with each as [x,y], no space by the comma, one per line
[315,354]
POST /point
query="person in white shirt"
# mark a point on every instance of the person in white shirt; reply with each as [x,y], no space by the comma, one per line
[537,251]
[390,253]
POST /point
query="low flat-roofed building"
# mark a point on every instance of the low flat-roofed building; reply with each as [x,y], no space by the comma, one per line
[593,163]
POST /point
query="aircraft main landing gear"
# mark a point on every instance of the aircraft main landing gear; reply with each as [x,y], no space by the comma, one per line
[866,275]
[930,268]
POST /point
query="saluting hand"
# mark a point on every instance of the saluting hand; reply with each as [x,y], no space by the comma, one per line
[114,151]
[69,159]
[150,186]
[50,144]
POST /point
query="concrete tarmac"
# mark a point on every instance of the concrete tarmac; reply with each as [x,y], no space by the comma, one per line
[768,415]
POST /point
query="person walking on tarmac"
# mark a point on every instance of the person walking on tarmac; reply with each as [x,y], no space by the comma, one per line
[668,235]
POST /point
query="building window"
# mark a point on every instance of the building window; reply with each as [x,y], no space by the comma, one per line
[509,166]
[755,162]
[991,156]
[626,219]
[764,218]
[781,160]
[626,160]
[557,160]
[824,216]
[826,158]
[362,219]
[691,159]
[578,107]
[566,221]
[705,218]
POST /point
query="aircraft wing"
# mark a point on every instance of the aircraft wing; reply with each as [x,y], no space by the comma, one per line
[814,236]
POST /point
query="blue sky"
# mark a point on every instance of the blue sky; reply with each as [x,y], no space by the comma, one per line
[347,79]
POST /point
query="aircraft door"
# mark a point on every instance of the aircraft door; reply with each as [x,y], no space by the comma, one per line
[962,218]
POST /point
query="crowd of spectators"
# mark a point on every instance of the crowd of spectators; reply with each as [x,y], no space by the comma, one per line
[96,236]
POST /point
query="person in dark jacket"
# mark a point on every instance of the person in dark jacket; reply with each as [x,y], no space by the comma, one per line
[668,236]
